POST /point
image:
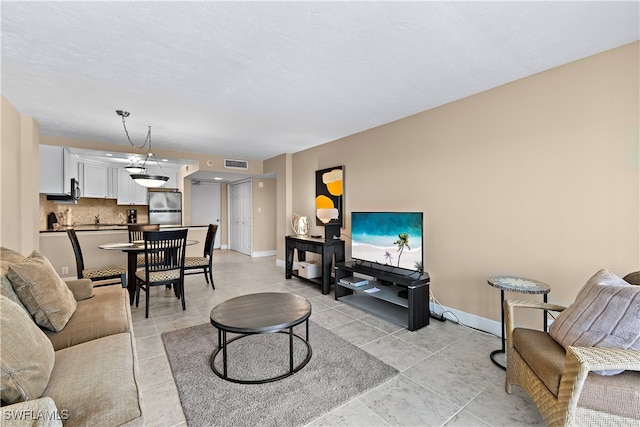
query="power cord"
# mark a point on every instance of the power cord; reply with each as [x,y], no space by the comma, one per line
[455,318]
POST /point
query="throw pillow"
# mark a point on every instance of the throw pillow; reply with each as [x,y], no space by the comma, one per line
[8,257]
[81,288]
[26,352]
[42,291]
[605,314]
[633,278]
[602,277]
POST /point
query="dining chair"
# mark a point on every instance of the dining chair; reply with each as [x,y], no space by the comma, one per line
[136,234]
[109,272]
[203,263]
[164,253]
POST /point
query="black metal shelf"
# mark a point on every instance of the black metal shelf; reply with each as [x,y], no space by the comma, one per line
[410,310]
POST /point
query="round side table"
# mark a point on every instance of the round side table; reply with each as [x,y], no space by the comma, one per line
[523,286]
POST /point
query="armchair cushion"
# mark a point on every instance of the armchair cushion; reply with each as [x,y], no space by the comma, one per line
[27,355]
[547,364]
[42,291]
[618,395]
[605,314]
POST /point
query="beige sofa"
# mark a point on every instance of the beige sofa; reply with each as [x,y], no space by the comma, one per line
[577,382]
[83,370]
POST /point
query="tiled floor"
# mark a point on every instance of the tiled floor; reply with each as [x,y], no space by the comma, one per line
[446,376]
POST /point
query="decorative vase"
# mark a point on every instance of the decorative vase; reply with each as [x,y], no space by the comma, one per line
[300,224]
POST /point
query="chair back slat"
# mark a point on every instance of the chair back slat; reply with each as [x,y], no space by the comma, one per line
[210,240]
[136,230]
[164,250]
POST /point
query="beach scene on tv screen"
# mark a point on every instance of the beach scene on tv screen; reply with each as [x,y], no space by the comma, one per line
[391,238]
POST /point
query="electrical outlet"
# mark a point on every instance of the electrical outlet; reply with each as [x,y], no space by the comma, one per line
[65,270]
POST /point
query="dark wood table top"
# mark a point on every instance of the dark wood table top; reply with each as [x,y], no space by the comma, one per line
[260,313]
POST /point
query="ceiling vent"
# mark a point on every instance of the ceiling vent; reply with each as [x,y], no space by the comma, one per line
[236,164]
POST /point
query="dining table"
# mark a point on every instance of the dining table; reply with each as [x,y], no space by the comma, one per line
[132,249]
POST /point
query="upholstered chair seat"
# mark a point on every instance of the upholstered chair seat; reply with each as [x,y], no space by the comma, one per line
[100,272]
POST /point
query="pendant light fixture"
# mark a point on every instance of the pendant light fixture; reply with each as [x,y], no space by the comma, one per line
[134,167]
[138,173]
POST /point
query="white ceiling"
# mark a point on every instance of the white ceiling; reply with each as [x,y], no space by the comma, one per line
[252,80]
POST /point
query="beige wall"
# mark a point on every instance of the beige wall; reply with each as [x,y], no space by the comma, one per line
[538,178]
[281,167]
[19,211]
[264,215]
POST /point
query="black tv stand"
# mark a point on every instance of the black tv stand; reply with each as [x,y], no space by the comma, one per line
[410,311]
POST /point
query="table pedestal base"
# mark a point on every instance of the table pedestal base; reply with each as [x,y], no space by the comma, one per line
[495,362]
[222,346]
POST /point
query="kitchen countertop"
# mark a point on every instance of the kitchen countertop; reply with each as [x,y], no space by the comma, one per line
[112,227]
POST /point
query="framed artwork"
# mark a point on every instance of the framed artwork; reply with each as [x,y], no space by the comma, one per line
[329,196]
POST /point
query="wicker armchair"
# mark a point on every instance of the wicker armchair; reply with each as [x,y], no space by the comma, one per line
[561,383]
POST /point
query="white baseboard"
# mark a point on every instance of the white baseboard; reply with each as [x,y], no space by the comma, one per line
[467,319]
[263,253]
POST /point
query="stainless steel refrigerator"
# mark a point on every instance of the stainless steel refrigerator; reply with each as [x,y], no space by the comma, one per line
[165,207]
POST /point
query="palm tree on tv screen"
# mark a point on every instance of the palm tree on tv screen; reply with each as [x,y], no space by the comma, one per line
[402,242]
[388,256]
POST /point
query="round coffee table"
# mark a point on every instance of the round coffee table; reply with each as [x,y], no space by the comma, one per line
[261,313]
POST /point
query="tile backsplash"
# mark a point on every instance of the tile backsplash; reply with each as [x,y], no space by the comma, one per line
[85,211]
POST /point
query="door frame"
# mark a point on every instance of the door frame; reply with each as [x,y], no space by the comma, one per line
[229,218]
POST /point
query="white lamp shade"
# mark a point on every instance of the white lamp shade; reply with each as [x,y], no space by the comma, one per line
[149,180]
[135,169]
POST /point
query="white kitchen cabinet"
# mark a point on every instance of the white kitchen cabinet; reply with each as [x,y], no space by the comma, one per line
[95,180]
[51,169]
[112,176]
[57,167]
[70,170]
[130,193]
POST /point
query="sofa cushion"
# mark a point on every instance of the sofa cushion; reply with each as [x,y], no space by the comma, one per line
[605,314]
[97,383]
[27,355]
[107,313]
[33,413]
[42,291]
[543,354]
[8,257]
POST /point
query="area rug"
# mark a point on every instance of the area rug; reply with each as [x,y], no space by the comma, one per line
[337,372]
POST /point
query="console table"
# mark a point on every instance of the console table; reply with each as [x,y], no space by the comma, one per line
[330,250]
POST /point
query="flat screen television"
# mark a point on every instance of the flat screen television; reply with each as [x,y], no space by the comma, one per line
[388,238]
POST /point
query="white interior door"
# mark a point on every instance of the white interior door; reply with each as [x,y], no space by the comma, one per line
[205,206]
[240,217]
